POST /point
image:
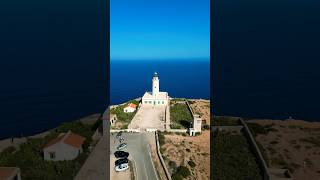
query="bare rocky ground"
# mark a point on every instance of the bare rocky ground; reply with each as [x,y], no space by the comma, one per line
[293,144]
[182,149]
[201,107]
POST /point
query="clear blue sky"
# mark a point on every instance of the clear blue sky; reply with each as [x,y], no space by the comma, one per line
[159,29]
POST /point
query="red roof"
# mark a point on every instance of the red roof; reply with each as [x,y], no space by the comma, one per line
[132,105]
[69,138]
[7,172]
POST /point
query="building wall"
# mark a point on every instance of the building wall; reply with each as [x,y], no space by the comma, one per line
[157,102]
[128,109]
[62,152]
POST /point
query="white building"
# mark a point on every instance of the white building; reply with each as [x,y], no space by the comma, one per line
[113,118]
[67,146]
[130,108]
[197,120]
[155,98]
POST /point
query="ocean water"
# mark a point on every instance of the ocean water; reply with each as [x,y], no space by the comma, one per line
[52,63]
[266,59]
[180,78]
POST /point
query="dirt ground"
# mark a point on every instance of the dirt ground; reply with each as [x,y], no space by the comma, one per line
[293,144]
[202,108]
[182,149]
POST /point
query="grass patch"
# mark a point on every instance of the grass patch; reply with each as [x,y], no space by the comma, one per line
[124,118]
[232,158]
[180,116]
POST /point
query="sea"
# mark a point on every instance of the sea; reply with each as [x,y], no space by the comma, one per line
[53,63]
[266,59]
[182,78]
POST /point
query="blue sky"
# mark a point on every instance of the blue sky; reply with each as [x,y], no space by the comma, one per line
[159,29]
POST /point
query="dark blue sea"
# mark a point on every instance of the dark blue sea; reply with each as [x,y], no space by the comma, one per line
[267,58]
[189,78]
[52,63]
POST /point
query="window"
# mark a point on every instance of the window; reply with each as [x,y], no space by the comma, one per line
[146,102]
[162,102]
[52,155]
[158,102]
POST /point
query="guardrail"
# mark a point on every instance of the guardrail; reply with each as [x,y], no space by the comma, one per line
[161,159]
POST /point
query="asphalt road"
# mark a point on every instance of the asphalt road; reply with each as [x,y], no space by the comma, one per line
[139,149]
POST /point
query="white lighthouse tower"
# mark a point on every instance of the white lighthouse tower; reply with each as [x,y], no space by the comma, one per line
[155,97]
[155,84]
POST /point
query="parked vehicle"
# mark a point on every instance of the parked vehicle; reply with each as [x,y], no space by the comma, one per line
[121,139]
[119,134]
[121,161]
[121,154]
[122,167]
[122,146]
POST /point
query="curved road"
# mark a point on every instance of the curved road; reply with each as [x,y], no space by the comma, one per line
[139,149]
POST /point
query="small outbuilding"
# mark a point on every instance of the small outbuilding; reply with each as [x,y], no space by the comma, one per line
[130,108]
[67,146]
[10,173]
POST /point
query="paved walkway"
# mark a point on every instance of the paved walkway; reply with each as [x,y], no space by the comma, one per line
[149,117]
[96,166]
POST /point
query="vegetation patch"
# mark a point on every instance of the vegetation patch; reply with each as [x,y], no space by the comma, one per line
[124,118]
[181,173]
[256,128]
[30,160]
[180,116]
[315,141]
[225,121]
[232,158]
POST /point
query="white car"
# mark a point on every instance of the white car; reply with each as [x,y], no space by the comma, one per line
[122,167]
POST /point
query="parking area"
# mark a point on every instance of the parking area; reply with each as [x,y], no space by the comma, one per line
[139,149]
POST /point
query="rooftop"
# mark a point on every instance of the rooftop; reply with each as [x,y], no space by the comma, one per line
[8,172]
[69,138]
[161,95]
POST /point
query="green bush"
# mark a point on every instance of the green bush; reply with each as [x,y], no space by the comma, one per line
[180,115]
[183,171]
[192,164]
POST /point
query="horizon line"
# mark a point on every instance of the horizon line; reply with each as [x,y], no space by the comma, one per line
[161,59]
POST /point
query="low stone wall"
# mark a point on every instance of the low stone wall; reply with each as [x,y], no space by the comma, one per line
[161,158]
[256,151]
[177,130]
[124,130]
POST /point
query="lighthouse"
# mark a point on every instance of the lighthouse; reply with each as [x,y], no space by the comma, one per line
[155,97]
[155,84]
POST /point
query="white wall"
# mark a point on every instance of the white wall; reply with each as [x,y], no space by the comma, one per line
[62,152]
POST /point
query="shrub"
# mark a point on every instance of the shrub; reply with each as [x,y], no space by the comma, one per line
[192,164]
[206,127]
[183,171]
